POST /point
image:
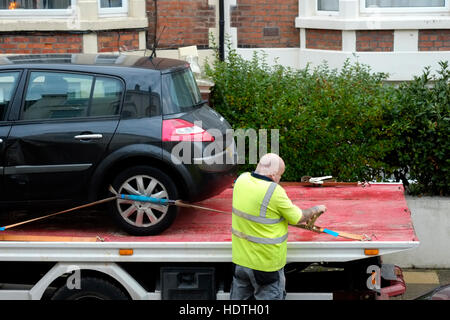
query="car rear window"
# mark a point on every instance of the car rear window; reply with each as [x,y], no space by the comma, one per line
[180,92]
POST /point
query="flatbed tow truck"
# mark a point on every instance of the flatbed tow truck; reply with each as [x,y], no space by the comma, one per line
[83,255]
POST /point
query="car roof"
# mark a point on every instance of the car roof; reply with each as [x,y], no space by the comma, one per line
[97,60]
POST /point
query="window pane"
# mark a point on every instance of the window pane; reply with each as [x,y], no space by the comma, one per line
[111,3]
[328,5]
[53,95]
[34,4]
[8,82]
[404,3]
[106,97]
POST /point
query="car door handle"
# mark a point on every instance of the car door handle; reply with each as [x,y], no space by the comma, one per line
[93,136]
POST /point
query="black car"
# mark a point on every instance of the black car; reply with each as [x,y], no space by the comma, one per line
[72,125]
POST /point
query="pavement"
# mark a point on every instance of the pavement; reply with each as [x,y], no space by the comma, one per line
[421,281]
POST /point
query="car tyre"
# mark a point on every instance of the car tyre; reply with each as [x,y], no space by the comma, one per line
[91,289]
[143,218]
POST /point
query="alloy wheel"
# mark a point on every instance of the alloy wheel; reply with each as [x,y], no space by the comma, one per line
[142,214]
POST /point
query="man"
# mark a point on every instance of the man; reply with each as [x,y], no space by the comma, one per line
[261,214]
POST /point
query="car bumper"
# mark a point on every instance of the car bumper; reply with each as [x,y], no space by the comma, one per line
[209,183]
[205,176]
[395,288]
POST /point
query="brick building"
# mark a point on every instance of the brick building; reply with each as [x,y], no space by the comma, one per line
[71,26]
[395,36]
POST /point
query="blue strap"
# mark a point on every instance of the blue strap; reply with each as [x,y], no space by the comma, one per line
[144,199]
[334,234]
[2,228]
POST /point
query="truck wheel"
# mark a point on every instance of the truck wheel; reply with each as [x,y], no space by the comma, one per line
[91,289]
[143,218]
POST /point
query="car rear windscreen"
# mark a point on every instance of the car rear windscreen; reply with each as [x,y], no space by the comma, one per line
[180,92]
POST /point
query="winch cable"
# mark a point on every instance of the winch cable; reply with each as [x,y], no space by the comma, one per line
[59,212]
[139,198]
[309,226]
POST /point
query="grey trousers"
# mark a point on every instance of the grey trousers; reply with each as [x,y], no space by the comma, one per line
[246,285]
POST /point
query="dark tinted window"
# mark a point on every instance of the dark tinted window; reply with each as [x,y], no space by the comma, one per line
[106,97]
[180,92]
[8,82]
[139,104]
[51,95]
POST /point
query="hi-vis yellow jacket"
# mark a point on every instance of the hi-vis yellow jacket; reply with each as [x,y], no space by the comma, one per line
[261,213]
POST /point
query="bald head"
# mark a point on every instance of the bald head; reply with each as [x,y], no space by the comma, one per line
[272,166]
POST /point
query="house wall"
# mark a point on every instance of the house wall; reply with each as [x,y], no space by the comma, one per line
[291,32]
[265,23]
[181,23]
[323,39]
[375,40]
[399,42]
[434,40]
[111,41]
[82,29]
[40,43]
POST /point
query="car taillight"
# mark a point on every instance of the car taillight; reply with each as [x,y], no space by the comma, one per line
[182,130]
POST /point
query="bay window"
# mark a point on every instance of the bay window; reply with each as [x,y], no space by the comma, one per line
[404,5]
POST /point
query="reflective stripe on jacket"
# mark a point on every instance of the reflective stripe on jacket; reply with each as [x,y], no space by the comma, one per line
[261,213]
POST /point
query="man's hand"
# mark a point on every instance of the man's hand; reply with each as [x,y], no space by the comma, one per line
[312,212]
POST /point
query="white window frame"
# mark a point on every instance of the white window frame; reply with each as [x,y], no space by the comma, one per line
[363,9]
[119,11]
[38,13]
[325,12]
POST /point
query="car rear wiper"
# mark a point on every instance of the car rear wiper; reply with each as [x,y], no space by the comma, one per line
[201,103]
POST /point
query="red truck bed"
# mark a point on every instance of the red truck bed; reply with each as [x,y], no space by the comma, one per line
[379,210]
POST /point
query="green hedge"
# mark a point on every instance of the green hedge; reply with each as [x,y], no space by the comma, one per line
[346,123]
[421,118]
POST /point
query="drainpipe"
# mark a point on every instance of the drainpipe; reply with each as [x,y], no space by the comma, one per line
[221,30]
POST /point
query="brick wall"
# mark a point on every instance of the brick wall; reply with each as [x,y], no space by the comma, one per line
[375,40]
[434,40]
[266,23]
[117,40]
[26,43]
[186,23]
[323,39]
